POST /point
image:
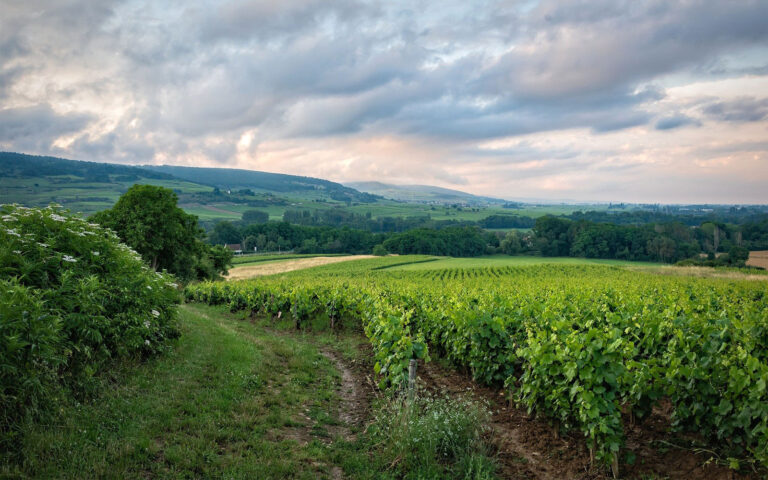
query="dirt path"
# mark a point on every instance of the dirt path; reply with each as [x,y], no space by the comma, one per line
[355,395]
[282,266]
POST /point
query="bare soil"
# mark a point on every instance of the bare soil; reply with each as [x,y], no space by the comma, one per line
[758,258]
[356,393]
[529,448]
[282,266]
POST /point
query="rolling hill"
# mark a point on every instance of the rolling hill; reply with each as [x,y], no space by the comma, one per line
[423,193]
[88,187]
[235,179]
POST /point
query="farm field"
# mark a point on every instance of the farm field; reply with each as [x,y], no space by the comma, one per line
[77,195]
[508,261]
[269,257]
[287,265]
[758,259]
[618,361]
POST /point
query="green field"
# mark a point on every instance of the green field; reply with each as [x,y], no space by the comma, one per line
[510,261]
[575,341]
[77,195]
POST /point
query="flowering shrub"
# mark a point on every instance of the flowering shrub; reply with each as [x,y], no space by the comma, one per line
[72,298]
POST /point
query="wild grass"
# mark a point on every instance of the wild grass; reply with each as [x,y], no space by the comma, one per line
[239,398]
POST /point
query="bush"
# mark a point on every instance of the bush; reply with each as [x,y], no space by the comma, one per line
[380,251]
[73,299]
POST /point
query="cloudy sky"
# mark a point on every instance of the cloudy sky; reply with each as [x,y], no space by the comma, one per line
[640,101]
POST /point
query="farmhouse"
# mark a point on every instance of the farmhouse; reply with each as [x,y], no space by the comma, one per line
[235,247]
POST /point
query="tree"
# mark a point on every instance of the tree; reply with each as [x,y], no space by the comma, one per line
[379,250]
[147,218]
[224,233]
[255,216]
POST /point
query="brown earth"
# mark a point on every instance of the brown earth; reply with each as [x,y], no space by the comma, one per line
[758,258]
[529,448]
[282,266]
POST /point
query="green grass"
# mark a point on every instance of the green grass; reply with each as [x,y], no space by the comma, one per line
[236,398]
[509,261]
[231,401]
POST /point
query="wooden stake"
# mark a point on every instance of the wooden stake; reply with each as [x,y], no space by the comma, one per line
[411,380]
[615,465]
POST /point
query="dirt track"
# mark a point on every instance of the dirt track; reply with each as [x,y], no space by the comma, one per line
[282,266]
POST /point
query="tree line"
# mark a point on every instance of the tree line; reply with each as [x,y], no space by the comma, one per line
[712,242]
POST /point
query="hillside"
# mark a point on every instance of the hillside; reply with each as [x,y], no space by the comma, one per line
[81,186]
[423,193]
[88,187]
[227,178]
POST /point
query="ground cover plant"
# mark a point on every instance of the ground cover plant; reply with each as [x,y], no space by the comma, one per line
[240,397]
[575,344]
[73,300]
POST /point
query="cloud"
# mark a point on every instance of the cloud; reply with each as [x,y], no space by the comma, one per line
[675,121]
[741,109]
[141,81]
[37,126]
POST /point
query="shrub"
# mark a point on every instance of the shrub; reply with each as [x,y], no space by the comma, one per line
[73,298]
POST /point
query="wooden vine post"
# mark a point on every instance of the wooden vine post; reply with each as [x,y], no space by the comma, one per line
[411,380]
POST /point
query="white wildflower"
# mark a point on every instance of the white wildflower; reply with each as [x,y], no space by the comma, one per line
[67,258]
[146,342]
[17,252]
[149,288]
[155,313]
[13,232]
[44,245]
[147,324]
[58,218]
[95,253]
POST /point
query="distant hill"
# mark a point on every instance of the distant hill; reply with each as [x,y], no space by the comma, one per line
[423,193]
[263,181]
[88,187]
[21,165]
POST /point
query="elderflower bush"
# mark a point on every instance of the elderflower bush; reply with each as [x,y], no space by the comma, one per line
[72,298]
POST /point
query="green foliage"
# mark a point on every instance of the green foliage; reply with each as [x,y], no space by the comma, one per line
[146,218]
[435,437]
[379,250]
[255,216]
[73,299]
[575,344]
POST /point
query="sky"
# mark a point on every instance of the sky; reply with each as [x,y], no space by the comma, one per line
[607,100]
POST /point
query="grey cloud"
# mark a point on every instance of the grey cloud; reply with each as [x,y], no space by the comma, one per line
[39,123]
[583,48]
[194,77]
[743,109]
[675,121]
[266,19]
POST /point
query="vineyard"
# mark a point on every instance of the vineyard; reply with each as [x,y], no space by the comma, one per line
[589,348]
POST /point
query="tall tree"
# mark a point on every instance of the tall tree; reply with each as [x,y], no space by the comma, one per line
[147,218]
